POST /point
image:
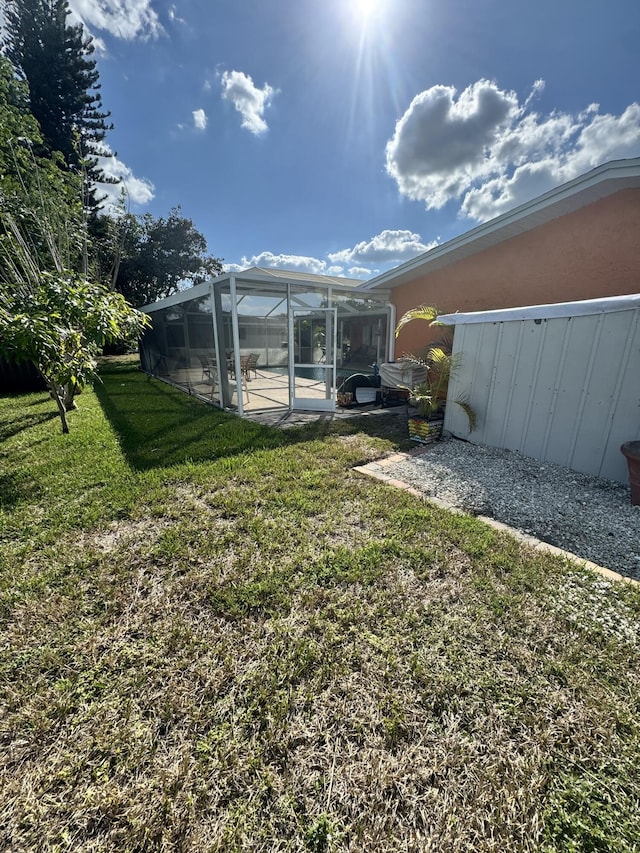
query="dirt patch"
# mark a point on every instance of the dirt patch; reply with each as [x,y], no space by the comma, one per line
[123,533]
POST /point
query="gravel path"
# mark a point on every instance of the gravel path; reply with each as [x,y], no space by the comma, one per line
[589,516]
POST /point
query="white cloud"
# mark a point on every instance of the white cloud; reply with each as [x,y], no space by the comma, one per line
[484,148]
[361,272]
[174,17]
[138,190]
[199,119]
[99,45]
[439,144]
[250,101]
[283,262]
[384,248]
[126,19]
[536,89]
[299,264]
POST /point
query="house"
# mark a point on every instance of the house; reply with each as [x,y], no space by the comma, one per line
[578,241]
[308,333]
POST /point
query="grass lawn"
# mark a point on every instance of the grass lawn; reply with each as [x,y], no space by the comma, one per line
[215,636]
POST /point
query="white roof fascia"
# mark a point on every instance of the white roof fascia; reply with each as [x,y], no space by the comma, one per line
[545,312]
[291,276]
[279,277]
[594,185]
[194,292]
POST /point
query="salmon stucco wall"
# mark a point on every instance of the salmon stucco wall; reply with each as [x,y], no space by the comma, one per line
[593,252]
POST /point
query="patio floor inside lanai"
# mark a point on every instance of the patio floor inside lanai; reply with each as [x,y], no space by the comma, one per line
[268,398]
[263,390]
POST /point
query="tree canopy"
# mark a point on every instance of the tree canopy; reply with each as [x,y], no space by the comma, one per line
[54,58]
[57,319]
[65,287]
[157,255]
[50,314]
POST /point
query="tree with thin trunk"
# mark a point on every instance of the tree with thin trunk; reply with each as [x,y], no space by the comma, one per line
[57,320]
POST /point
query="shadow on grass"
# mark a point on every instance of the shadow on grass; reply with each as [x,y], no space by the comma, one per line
[15,485]
[15,489]
[159,425]
[26,421]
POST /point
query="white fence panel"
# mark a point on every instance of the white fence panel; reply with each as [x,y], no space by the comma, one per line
[560,389]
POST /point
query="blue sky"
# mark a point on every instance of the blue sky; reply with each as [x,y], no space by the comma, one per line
[347,136]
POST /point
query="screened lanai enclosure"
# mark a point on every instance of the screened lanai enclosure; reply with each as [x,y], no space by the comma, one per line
[268,339]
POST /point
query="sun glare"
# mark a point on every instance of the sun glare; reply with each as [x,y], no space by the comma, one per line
[365,9]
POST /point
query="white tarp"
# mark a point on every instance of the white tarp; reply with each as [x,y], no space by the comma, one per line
[402,374]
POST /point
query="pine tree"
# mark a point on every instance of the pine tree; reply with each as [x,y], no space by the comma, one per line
[55,59]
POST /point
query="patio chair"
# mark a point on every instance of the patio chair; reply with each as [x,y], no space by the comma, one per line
[213,379]
[253,363]
[207,366]
[239,386]
[231,363]
[244,367]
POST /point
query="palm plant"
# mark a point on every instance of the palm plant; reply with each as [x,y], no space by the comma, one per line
[440,365]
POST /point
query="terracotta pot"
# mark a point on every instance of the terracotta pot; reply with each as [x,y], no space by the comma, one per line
[632,451]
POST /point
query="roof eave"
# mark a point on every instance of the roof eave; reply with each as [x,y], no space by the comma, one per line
[607,178]
[256,275]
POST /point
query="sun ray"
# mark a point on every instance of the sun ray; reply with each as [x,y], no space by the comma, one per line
[366,7]
[365,11]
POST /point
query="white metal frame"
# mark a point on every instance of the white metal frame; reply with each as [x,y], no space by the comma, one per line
[330,367]
[287,282]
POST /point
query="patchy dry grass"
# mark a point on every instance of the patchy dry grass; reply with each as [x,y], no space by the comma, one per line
[259,650]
